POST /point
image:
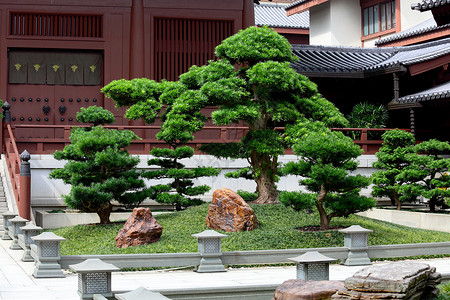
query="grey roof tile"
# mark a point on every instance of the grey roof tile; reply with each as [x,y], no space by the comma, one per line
[363,61]
[438,92]
[274,15]
[424,27]
[429,4]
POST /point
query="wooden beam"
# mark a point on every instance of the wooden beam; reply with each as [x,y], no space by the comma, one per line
[429,65]
[301,7]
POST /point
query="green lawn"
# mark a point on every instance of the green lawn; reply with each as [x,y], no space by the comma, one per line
[277,230]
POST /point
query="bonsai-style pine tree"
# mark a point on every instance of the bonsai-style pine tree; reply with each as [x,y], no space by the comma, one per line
[266,94]
[394,157]
[427,173]
[98,168]
[326,158]
[181,118]
[263,93]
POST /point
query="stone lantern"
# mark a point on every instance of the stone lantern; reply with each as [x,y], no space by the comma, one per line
[313,266]
[210,249]
[94,277]
[140,294]
[46,255]
[16,223]
[7,216]
[30,230]
[355,239]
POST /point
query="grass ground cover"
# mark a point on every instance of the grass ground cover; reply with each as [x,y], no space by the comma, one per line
[277,230]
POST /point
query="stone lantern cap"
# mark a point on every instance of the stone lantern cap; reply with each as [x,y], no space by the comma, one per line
[48,236]
[18,219]
[355,229]
[93,265]
[30,226]
[9,214]
[209,234]
[312,257]
[140,293]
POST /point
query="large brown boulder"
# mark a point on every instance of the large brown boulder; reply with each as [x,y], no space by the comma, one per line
[141,228]
[296,289]
[229,212]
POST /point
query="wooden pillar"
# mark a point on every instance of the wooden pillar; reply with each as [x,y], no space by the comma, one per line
[6,120]
[137,52]
[396,87]
[248,14]
[25,186]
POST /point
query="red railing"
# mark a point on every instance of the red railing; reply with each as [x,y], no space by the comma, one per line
[12,161]
[57,136]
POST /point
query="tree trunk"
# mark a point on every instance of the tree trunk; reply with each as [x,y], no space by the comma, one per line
[265,170]
[432,204]
[104,213]
[397,201]
[324,219]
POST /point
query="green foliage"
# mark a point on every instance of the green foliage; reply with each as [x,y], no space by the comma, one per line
[276,231]
[180,191]
[325,161]
[427,173]
[255,44]
[368,115]
[444,290]
[247,196]
[100,171]
[96,115]
[394,157]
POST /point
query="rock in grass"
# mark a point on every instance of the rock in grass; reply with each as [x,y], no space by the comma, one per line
[311,290]
[141,228]
[229,212]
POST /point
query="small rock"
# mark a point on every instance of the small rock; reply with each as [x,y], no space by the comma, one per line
[141,228]
[311,290]
[229,212]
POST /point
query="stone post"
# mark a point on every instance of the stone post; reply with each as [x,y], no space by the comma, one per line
[16,223]
[313,266]
[94,277]
[7,216]
[139,294]
[25,186]
[210,249]
[355,239]
[46,255]
[30,230]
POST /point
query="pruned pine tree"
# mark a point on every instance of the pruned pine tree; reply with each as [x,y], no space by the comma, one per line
[325,161]
[99,168]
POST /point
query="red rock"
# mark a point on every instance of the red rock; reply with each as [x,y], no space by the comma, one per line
[141,228]
[295,289]
[229,212]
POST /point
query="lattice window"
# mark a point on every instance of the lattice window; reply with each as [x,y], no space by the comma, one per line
[317,271]
[49,249]
[212,245]
[181,43]
[40,24]
[96,283]
[359,240]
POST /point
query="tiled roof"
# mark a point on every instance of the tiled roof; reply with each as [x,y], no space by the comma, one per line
[296,3]
[359,62]
[424,27]
[274,15]
[429,4]
[438,92]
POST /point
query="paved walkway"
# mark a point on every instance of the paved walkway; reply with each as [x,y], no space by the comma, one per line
[17,282]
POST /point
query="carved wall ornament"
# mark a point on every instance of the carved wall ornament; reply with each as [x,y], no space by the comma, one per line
[74,68]
[55,68]
[37,67]
[93,67]
[18,66]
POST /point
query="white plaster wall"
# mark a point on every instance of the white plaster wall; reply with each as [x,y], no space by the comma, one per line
[320,24]
[346,23]
[47,192]
[410,17]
